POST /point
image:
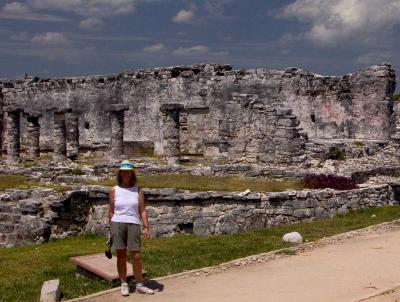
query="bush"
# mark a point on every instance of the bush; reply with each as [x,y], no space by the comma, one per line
[396,98]
[322,181]
[336,153]
[75,171]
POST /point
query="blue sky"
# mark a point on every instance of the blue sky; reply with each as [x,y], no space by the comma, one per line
[57,38]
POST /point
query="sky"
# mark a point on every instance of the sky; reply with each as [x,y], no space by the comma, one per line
[62,38]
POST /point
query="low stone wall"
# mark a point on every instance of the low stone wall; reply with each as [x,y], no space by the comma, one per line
[40,215]
[24,216]
[208,213]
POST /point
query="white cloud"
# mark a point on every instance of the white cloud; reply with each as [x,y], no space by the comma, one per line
[50,38]
[92,24]
[190,51]
[156,48]
[339,20]
[87,8]
[215,7]
[19,11]
[15,8]
[183,16]
[289,38]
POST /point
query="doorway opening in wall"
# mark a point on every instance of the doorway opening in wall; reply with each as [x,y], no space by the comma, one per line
[192,130]
[139,148]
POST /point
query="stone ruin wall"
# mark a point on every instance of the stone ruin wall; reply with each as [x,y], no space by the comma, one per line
[254,115]
[33,216]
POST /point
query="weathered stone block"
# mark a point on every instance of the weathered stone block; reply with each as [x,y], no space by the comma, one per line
[292,122]
[50,291]
[301,203]
[321,213]
[304,213]
[278,197]
[226,225]
[283,211]
[4,217]
[203,226]
[6,228]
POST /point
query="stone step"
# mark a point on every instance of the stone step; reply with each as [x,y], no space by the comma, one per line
[100,265]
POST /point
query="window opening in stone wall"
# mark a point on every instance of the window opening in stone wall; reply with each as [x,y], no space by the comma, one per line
[175,73]
[312,116]
[396,192]
[186,228]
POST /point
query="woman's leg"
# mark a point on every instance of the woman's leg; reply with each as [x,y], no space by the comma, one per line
[121,264]
[137,269]
[137,266]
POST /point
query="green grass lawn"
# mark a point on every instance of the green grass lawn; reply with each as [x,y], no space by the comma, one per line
[211,183]
[15,182]
[180,181]
[23,183]
[23,270]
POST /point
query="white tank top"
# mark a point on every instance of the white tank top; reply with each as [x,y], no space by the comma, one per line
[126,205]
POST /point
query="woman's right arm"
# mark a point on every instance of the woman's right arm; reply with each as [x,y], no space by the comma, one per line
[111,202]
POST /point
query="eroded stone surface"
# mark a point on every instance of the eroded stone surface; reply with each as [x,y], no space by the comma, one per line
[50,291]
[262,116]
[33,135]
[59,137]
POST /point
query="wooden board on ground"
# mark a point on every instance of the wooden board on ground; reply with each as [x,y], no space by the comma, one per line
[100,265]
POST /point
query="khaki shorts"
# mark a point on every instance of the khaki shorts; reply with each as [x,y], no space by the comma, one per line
[125,235]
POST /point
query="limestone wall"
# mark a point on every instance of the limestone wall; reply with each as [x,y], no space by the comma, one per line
[223,108]
[1,121]
[39,215]
[396,109]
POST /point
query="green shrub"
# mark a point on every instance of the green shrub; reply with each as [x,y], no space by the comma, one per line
[321,181]
[337,153]
[75,171]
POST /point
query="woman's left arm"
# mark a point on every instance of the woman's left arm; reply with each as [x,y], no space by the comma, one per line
[143,215]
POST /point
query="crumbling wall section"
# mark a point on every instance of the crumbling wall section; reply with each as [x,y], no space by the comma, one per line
[255,131]
[2,125]
[355,106]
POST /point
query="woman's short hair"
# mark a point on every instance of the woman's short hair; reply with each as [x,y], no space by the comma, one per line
[132,181]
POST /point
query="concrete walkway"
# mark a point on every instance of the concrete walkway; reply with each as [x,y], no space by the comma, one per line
[350,270]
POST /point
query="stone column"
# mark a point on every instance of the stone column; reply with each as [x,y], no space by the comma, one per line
[59,136]
[117,129]
[13,133]
[1,122]
[171,142]
[72,135]
[33,134]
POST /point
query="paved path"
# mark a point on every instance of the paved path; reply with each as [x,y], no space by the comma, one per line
[390,296]
[350,270]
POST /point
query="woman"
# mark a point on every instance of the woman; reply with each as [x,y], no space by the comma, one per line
[126,210]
